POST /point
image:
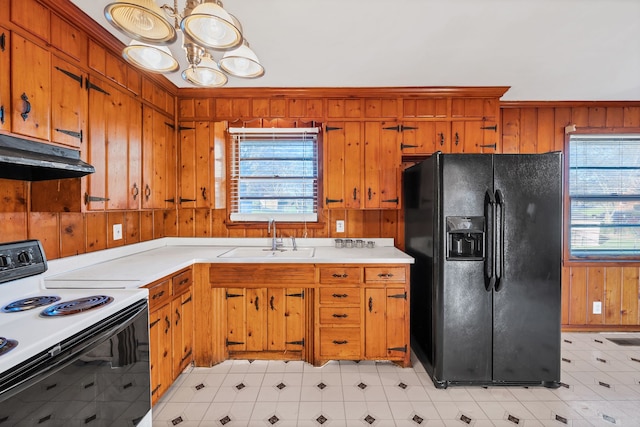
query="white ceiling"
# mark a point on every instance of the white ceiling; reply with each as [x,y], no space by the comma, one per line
[544,49]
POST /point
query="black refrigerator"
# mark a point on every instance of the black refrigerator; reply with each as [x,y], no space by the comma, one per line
[486,234]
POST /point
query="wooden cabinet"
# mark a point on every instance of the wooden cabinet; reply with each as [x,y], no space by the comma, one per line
[171,336]
[5,83]
[343,148]
[68,104]
[114,149]
[159,160]
[196,170]
[382,158]
[30,88]
[385,323]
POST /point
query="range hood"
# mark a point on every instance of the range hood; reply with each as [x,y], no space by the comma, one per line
[26,160]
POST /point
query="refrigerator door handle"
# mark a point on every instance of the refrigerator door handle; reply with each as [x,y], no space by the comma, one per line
[499,241]
[489,259]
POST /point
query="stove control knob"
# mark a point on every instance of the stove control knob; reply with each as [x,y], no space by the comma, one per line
[25,257]
[5,261]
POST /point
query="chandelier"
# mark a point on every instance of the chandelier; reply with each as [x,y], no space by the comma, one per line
[206,28]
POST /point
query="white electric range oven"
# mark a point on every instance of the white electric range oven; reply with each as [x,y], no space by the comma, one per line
[69,356]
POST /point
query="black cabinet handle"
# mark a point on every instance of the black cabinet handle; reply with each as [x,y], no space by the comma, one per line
[457,138]
[370,304]
[369,193]
[204,193]
[27,106]
[441,138]
[147,192]
[2,114]
[166,319]
[340,276]
[177,317]
[340,342]
[271,303]
[158,295]
[135,191]
[339,295]
[256,303]
[355,193]
[340,316]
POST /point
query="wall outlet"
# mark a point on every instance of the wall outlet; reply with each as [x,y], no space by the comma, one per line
[597,307]
[340,226]
[117,231]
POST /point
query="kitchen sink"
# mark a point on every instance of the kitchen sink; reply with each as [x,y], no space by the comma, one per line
[267,253]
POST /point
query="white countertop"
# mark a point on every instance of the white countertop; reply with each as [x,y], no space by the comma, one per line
[139,264]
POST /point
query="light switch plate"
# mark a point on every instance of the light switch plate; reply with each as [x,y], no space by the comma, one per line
[117,231]
[597,307]
[340,226]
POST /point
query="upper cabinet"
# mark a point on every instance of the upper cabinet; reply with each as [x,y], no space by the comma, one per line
[69,103]
[5,84]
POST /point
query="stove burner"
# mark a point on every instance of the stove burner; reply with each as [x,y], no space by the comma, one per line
[76,306]
[29,303]
[7,345]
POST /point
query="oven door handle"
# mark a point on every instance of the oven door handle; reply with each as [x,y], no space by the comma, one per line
[58,358]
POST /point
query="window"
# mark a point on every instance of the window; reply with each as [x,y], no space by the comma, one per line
[274,174]
[604,196]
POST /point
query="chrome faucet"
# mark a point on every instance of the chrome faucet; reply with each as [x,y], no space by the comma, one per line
[275,244]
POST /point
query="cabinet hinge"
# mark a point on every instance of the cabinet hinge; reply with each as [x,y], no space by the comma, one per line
[3,41]
[228,295]
[171,200]
[300,295]
[90,86]
[186,301]
[2,114]
[328,200]
[403,146]
[489,146]
[403,348]
[399,128]
[181,128]
[493,128]
[74,134]
[233,342]
[171,125]
[70,74]
[154,323]
[402,295]
[88,198]
[391,201]
[155,390]
[186,200]
[328,128]
[186,356]
[301,342]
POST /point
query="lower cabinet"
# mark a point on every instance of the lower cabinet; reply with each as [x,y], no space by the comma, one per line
[171,322]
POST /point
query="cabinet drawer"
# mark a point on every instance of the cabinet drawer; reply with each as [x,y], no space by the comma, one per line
[159,293]
[342,296]
[181,282]
[253,274]
[334,275]
[339,315]
[385,274]
[340,343]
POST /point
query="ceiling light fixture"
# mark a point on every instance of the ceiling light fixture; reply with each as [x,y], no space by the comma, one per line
[206,27]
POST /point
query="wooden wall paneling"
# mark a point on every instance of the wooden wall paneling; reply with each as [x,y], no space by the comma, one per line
[117,150]
[146,225]
[615,117]
[72,234]
[578,296]
[297,107]
[170,217]
[186,218]
[597,116]
[13,195]
[260,107]
[546,132]
[566,294]
[371,224]
[528,130]
[32,16]
[390,223]
[595,293]
[158,224]
[629,311]
[562,117]
[14,226]
[241,107]
[96,231]
[381,108]
[354,224]
[580,116]
[114,218]
[186,108]
[116,69]
[631,117]
[344,108]
[68,39]
[59,195]
[223,109]
[219,166]
[131,227]
[612,295]
[425,107]
[45,227]
[97,57]
[204,331]
[202,223]
[510,130]
[134,80]
[218,223]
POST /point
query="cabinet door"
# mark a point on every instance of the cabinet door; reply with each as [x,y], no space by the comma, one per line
[160,351]
[196,164]
[5,83]
[159,161]
[100,106]
[343,186]
[134,163]
[246,319]
[381,165]
[385,333]
[30,88]
[474,137]
[285,319]
[424,138]
[68,104]
[182,333]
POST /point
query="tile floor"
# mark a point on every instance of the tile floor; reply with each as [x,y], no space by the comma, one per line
[600,387]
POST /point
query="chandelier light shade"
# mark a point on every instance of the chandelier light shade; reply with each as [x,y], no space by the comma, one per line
[142,20]
[211,26]
[206,73]
[157,59]
[206,29]
[242,62]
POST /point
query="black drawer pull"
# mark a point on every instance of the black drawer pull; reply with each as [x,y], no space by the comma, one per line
[341,316]
[340,276]
[158,295]
[385,275]
[340,342]
[339,295]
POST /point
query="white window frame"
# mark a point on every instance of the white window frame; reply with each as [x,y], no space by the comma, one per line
[234,174]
